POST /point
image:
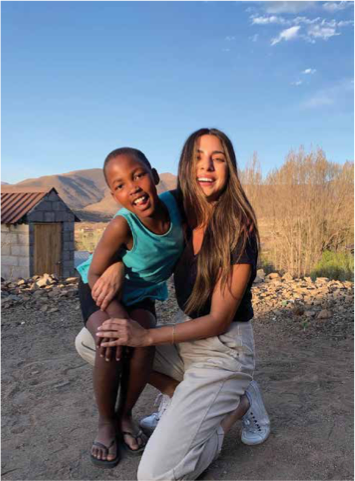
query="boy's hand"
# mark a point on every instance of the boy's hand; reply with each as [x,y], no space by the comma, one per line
[109,285]
[109,353]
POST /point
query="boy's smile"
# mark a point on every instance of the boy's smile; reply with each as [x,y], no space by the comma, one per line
[132,184]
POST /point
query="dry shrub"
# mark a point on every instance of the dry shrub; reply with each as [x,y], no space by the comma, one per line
[307,205]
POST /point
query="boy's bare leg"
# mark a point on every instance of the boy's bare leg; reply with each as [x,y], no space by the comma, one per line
[106,378]
[135,376]
[165,384]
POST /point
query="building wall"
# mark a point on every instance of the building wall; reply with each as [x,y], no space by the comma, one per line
[15,251]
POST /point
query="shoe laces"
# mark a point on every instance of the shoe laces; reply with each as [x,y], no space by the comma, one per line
[251,423]
[163,401]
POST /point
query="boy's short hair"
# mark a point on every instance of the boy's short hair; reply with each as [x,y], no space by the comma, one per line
[125,151]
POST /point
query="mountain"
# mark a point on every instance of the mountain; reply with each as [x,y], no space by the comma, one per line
[86,192]
[78,189]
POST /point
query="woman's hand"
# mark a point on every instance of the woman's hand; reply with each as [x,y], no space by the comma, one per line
[123,332]
[109,285]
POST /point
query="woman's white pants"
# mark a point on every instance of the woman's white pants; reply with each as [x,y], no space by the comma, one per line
[213,373]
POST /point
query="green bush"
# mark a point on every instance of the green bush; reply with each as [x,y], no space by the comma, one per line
[266,264]
[335,265]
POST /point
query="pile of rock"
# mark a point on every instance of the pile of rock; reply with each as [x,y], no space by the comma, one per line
[305,302]
[43,292]
[295,304]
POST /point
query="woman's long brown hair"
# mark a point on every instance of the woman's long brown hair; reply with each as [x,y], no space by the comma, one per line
[230,221]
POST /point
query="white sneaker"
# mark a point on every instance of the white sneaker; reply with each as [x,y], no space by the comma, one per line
[149,423]
[256,422]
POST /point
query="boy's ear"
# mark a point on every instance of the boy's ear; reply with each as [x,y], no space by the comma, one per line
[155,176]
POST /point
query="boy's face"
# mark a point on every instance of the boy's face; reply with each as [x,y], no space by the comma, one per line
[132,184]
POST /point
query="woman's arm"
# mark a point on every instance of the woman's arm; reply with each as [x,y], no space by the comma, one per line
[224,305]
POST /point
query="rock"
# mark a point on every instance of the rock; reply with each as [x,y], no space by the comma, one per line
[56,291]
[44,308]
[308,280]
[324,314]
[21,282]
[322,280]
[310,314]
[39,293]
[71,280]
[46,280]
[260,273]
[298,311]
[273,275]
[53,309]
[287,277]
[258,279]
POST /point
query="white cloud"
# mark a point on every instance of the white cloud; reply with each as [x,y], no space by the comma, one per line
[229,39]
[254,38]
[336,6]
[324,33]
[333,95]
[345,23]
[288,34]
[287,7]
[309,71]
[297,83]
[260,20]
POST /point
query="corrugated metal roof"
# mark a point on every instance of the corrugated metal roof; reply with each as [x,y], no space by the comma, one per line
[17,202]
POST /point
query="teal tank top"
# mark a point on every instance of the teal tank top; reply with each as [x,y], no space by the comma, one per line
[151,260]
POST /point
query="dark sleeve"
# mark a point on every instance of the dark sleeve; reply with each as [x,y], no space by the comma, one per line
[249,255]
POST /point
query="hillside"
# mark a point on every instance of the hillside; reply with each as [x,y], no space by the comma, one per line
[86,192]
[78,189]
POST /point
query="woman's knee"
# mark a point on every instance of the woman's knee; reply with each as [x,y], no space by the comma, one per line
[85,346]
[156,464]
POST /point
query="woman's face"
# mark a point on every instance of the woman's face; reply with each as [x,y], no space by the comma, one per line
[211,167]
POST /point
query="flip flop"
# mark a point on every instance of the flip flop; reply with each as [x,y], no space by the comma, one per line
[140,449]
[104,463]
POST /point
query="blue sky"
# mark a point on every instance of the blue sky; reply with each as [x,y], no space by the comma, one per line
[82,78]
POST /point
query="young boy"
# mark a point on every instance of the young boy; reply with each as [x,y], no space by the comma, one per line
[147,223]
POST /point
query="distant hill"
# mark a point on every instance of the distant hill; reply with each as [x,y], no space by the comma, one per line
[86,192]
[78,189]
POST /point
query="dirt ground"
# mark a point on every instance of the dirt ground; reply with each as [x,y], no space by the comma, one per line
[49,417]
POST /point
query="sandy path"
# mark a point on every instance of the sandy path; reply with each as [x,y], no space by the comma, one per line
[48,414]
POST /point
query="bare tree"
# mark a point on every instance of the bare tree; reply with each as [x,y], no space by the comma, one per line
[312,204]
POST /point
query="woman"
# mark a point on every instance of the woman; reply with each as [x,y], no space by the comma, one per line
[205,361]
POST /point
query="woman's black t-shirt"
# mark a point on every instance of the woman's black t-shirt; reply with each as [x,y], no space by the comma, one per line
[186,271]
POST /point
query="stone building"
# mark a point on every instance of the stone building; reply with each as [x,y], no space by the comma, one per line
[37,233]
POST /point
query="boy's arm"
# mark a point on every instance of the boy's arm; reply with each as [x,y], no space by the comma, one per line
[116,235]
[109,285]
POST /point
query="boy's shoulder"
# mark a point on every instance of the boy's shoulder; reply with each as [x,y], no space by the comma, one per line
[118,226]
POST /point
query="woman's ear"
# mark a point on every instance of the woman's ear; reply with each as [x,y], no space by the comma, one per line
[155,177]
